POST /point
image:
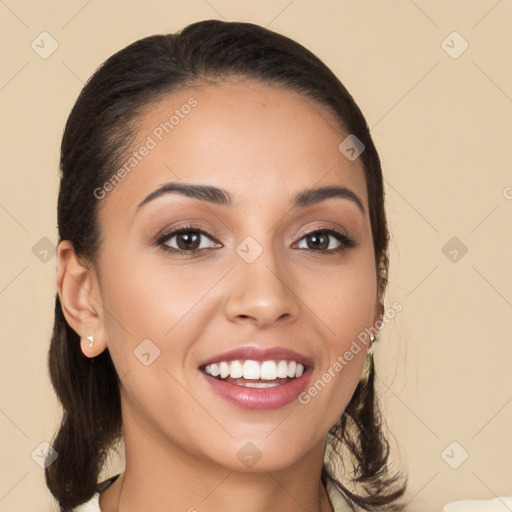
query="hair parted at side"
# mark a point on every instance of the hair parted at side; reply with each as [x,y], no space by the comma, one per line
[99,130]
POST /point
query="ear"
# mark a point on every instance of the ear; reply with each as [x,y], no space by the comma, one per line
[78,289]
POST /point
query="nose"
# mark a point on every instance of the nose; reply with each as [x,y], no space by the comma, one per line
[261,292]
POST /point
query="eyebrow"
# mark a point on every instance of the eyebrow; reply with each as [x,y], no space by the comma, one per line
[222,197]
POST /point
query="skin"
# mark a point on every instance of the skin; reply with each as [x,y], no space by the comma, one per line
[263,145]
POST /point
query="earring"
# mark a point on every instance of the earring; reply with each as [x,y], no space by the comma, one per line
[368,364]
[91,340]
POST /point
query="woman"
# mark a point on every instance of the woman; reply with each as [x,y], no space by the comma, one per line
[221,275]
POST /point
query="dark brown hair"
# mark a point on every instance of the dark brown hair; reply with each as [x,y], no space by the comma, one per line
[98,132]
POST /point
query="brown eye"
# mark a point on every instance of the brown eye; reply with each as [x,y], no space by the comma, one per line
[319,241]
[326,240]
[187,240]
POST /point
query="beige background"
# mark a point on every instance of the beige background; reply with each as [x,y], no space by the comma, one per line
[443,127]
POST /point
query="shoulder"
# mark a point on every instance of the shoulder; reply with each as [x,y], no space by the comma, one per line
[338,501]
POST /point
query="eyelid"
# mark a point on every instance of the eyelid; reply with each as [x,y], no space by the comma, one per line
[320,228]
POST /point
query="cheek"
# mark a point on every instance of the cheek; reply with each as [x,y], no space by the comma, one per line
[344,302]
[344,299]
[149,300]
[151,318]
[134,309]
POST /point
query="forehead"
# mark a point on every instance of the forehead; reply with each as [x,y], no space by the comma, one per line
[256,140]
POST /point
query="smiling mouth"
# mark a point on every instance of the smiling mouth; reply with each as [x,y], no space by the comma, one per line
[255,374]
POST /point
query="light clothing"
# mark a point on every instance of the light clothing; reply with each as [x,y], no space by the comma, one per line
[497,504]
[338,501]
[339,504]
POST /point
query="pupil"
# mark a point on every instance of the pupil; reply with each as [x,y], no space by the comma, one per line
[318,241]
[188,241]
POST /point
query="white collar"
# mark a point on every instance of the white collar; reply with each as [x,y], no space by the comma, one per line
[338,501]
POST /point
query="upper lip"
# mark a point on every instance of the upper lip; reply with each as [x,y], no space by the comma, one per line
[259,354]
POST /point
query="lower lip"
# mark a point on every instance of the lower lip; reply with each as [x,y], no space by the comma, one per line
[259,398]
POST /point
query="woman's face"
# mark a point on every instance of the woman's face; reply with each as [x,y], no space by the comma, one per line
[266,271]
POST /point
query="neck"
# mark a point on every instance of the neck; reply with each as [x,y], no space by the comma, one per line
[160,475]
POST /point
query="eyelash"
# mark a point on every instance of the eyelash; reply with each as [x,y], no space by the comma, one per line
[346,242]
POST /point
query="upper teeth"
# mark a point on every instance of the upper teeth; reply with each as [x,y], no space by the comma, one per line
[253,370]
